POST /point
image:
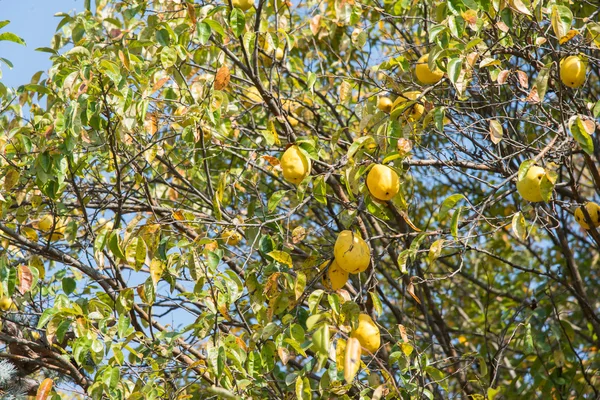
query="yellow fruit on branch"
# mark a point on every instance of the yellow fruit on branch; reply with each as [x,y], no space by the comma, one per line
[383,182]
[231,237]
[367,333]
[412,112]
[295,165]
[243,5]
[384,104]
[5,303]
[335,278]
[529,186]
[572,71]
[593,210]
[351,252]
[424,74]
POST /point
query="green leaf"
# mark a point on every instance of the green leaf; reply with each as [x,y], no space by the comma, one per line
[11,37]
[237,20]
[435,31]
[68,285]
[299,284]
[561,18]
[541,81]
[115,246]
[438,376]
[448,204]
[320,189]
[435,250]
[111,70]
[492,393]
[215,26]
[203,32]
[454,223]
[4,23]
[597,109]
[358,144]
[125,301]
[547,185]
[524,168]
[579,132]
[454,68]
[168,57]
[275,199]
[377,306]
[320,339]
[46,316]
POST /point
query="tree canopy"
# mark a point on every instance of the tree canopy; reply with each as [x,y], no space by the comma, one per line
[346,199]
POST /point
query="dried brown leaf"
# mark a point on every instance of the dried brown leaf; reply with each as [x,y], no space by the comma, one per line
[222,78]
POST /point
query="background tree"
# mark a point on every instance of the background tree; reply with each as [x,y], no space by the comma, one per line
[155,246]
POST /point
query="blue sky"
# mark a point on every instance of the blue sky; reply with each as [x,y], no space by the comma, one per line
[34,21]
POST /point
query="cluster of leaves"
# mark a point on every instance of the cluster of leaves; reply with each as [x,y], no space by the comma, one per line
[159,126]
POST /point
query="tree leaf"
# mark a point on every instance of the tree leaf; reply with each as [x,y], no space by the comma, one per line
[561,19]
[275,199]
[203,32]
[454,68]
[222,77]
[581,135]
[524,168]
[454,223]
[11,179]
[351,359]
[281,257]
[449,204]
[541,82]
[11,37]
[157,268]
[518,226]
[237,20]
[435,250]
[496,131]
[519,6]
[114,244]
[320,189]
[44,389]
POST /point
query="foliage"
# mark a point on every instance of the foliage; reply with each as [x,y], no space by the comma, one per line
[160,126]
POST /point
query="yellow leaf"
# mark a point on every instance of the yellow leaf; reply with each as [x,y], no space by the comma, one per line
[298,234]
[44,389]
[568,36]
[408,221]
[11,178]
[29,233]
[340,353]
[351,359]
[345,90]
[518,5]
[281,257]
[156,270]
